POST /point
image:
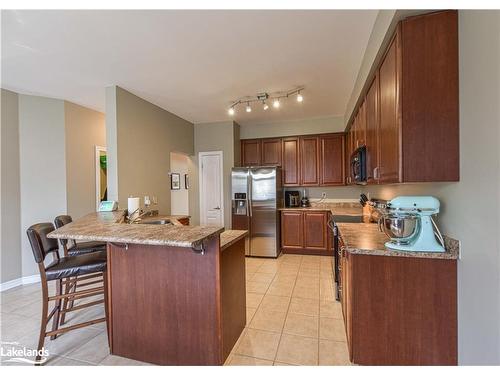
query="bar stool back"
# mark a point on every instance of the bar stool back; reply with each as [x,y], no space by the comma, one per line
[58,270]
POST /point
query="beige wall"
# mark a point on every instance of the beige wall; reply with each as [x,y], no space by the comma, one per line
[42,167]
[220,136]
[179,163]
[470,208]
[10,195]
[293,127]
[140,137]
[85,129]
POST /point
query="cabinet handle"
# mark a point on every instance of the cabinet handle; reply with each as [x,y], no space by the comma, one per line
[375,173]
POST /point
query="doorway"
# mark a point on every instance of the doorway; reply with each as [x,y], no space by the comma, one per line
[211,188]
[101,173]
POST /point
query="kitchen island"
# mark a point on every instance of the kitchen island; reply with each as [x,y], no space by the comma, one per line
[176,293]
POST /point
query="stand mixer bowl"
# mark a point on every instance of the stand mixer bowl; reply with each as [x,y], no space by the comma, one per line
[400,228]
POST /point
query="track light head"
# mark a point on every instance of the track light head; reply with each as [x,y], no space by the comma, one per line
[300,98]
[276,103]
[265,106]
[248,108]
[230,111]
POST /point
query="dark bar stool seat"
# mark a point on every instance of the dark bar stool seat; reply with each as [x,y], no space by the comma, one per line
[76,265]
[61,270]
[71,247]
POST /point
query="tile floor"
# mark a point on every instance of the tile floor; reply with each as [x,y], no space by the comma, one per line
[292,319]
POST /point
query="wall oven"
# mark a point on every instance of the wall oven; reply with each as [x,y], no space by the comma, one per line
[358,165]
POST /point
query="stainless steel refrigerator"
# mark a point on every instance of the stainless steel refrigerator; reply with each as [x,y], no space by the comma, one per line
[256,197]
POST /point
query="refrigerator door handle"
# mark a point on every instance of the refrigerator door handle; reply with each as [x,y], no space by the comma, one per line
[249,189]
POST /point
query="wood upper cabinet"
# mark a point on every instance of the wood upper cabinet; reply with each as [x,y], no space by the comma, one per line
[291,161]
[360,127]
[411,107]
[271,151]
[372,148]
[315,230]
[309,161]
[251,152]
[332,162]
[430,113]
[292,230]
[389,131]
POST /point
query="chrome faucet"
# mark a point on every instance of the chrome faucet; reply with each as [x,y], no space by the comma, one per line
[136,219]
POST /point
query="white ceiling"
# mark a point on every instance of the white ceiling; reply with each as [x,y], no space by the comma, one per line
[191,63]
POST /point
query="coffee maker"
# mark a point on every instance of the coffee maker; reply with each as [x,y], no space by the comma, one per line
[292,198]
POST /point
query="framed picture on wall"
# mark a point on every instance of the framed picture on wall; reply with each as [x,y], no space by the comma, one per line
[186,181]
[175,181]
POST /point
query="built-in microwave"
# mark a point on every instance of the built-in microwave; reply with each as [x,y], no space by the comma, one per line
[358,165]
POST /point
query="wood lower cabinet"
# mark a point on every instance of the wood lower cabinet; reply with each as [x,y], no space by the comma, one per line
[291,161]
[315,230]
[292,230]
[309,161]
[251,152]
[305,232]
[332,162]
[399,310]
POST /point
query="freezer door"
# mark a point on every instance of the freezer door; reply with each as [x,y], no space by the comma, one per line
[263,212]
[240,184]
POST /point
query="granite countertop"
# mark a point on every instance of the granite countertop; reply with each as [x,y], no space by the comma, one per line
[337,208]
[108,227]
[231,236]
[366,239]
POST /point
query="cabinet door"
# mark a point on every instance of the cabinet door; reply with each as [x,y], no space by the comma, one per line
[332,160]
[271,151]
[250,152]
[360,130]
[372,132]
[315,230]
[291,162]
[292,229]
[309,161]
[390,115]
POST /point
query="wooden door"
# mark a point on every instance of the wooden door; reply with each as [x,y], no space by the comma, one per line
[292,229]
[291,161]
[271,151]
[347,157]
[309,161]
[390,115]
[250,152]
[372,148]
[315,230]
[332,160]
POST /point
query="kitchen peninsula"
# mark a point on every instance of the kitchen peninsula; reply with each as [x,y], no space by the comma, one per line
[176,293]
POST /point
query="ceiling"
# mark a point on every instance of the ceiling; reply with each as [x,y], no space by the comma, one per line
[191,63]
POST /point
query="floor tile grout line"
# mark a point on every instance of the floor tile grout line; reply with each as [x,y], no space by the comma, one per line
[286,316]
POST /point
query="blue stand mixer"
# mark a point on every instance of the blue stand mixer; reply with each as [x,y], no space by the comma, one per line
[407,221]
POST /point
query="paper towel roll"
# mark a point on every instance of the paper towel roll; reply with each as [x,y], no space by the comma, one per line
[133,207]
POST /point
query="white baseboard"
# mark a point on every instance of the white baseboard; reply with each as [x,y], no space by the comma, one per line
[20,281]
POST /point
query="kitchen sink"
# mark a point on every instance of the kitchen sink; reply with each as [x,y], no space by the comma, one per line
[156,222]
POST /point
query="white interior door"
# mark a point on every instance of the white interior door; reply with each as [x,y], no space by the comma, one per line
[211,188]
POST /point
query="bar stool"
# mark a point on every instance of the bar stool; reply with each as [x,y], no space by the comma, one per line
[71,248]
[59,270]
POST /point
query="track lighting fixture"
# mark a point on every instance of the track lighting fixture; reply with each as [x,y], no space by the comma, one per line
[264,98]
